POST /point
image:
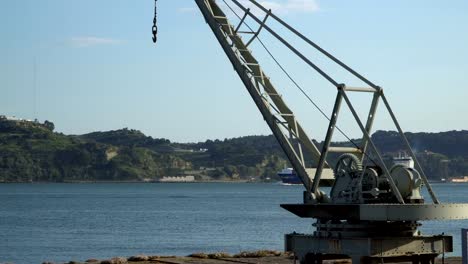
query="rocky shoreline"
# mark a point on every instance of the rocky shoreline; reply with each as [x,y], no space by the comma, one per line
[256,257]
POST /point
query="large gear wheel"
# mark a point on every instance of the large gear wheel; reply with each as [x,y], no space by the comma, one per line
[348,170]
[347,163]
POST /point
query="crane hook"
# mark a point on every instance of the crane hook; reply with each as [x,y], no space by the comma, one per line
[154,29]
[155,32]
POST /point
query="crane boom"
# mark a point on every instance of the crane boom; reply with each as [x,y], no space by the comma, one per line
[279,117]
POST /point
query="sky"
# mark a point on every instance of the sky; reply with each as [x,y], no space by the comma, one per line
[91,66]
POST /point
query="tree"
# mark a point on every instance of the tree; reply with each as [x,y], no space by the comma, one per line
[49,125]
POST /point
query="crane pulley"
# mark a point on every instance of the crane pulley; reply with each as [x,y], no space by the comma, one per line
[154,29]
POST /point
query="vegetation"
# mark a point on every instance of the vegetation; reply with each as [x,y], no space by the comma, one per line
[30,151]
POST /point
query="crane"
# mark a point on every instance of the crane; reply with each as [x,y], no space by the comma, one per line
[373,212]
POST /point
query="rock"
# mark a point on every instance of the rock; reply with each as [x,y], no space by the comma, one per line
[219,255]
[138,258]
[198,255]
[154,258]
[118,260]
[92,260]
[258,254]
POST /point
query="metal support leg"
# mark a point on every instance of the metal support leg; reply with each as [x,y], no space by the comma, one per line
[370,121]
[326,144]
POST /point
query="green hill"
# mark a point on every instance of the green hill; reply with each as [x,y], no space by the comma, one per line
[30,151]
[129,138]
[238,158]
[452,144]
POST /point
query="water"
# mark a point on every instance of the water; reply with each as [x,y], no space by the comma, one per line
[62,222]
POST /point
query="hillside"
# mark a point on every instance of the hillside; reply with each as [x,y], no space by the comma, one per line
[30,151]
[238,158]
[129,138]
[452,144]
[442,154]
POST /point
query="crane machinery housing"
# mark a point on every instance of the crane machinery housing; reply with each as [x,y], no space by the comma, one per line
[373,212]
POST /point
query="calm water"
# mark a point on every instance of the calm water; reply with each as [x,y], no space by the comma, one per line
[62,222]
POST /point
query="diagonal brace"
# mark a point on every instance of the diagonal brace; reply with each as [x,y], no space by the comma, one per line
[242,20]
[259,29]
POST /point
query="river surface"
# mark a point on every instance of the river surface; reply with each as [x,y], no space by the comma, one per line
[63,222]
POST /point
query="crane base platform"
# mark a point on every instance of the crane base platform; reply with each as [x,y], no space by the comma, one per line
[417,249]
[380,212]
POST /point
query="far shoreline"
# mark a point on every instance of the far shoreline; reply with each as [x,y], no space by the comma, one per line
[142,182]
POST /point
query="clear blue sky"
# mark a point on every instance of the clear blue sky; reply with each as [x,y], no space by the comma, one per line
[97,68]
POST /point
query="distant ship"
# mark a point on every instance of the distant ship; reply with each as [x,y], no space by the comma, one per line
[288,176]
[459,180]
[403,159]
